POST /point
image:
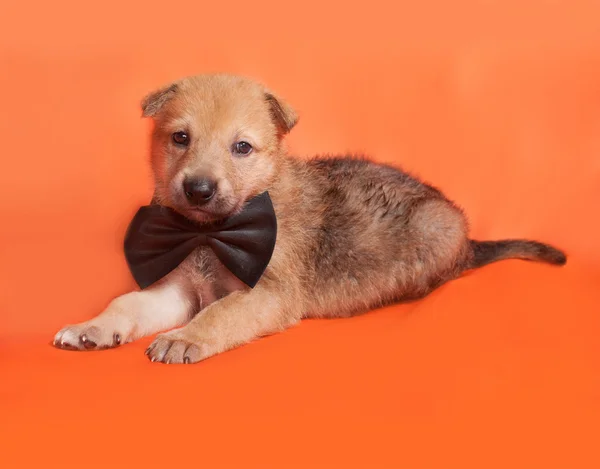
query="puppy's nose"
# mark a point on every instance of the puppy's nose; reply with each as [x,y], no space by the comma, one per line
[199,191]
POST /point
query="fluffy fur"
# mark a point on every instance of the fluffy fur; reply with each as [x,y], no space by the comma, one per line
[352,235]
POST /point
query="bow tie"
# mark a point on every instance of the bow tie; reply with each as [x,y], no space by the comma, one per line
[159,239]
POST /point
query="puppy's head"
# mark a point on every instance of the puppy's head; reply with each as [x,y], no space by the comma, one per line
[216,143]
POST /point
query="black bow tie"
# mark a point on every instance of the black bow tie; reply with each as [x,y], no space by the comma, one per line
[159,239]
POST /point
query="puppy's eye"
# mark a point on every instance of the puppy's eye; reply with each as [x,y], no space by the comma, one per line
[181,138]
[242,148]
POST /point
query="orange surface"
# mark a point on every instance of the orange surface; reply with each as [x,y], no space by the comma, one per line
[498,103]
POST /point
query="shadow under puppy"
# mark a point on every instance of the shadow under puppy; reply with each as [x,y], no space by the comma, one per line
[351,235]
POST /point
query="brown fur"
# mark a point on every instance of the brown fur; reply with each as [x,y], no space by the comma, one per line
[352,235]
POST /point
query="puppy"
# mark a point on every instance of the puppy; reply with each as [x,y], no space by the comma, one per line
[352,235]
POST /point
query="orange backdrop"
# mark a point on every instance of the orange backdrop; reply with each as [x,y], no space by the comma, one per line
[497,103]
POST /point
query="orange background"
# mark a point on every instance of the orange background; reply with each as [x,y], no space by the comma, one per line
[497,103]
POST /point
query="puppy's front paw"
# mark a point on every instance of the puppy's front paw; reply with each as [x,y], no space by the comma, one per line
[178,346]
[85,336]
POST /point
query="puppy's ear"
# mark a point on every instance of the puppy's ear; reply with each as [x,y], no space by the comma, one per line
[284,116]
[152,103]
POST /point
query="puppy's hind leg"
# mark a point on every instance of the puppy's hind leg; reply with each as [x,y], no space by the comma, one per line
[440,247]
[131,316]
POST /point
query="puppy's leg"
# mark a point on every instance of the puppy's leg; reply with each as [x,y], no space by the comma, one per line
[234,320]
[131,316]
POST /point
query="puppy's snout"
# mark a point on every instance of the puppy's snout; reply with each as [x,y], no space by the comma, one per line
[199,191]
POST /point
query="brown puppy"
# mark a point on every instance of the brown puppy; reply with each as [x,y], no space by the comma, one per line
[352,235]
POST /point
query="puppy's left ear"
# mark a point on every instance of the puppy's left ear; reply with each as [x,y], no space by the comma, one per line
[152,103]
[284,116]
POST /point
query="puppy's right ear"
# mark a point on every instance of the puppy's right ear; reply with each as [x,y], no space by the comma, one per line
[152,103]
[284,116]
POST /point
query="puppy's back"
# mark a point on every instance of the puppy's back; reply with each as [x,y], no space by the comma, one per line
[380,234]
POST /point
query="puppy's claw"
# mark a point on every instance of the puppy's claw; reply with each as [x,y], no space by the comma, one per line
[150,348]
[67,346]
[186,360]
[87,343]
[117,338]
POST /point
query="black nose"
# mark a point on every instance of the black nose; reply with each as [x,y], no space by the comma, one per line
[199,191]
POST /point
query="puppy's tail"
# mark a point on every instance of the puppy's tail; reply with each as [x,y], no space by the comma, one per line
[486,252]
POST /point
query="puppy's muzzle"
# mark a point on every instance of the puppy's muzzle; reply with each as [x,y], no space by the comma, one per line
[199,191]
